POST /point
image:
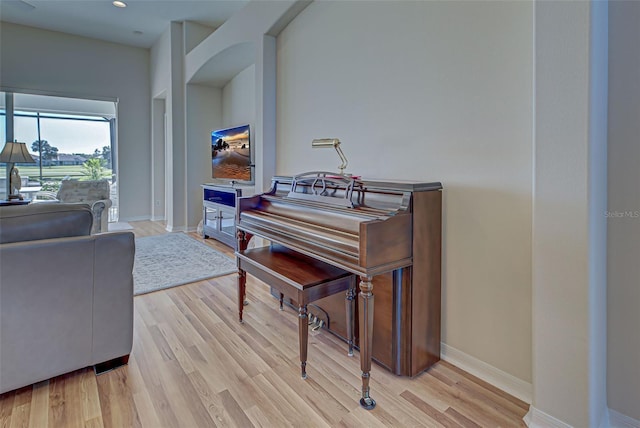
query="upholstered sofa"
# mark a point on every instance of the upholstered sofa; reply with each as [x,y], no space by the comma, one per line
[95,193]
[66,296]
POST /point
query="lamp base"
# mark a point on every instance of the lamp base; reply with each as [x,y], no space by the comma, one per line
[12,197]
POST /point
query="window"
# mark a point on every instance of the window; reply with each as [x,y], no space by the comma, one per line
[69,138]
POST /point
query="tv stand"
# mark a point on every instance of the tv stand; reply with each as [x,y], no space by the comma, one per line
[219,212]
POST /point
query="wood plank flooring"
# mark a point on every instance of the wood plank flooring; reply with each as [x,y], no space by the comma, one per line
[194,365]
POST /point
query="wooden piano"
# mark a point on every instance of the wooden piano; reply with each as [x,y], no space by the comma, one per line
[387,233]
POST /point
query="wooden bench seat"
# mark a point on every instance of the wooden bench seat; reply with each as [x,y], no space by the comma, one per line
[299,277]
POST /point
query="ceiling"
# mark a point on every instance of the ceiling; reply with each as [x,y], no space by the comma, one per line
[139,24]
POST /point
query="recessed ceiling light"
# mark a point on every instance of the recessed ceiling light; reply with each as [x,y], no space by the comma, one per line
[118,3]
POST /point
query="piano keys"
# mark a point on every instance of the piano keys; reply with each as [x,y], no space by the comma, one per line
[387,233]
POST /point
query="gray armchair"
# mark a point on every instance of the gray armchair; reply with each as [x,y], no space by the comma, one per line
[67,296]
[95,193]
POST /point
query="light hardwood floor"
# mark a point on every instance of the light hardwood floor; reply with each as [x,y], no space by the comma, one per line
[194,365]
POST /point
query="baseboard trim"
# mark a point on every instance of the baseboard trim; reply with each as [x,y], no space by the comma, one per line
[605,421]
[496,377]
[157,218]
[618,420]
[172,229]
[137,218]
[538,419]
[610,419]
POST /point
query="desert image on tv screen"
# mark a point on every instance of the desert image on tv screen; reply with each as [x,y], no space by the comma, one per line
[230,154]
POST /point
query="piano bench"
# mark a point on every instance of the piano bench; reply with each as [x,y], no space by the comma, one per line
[301,278]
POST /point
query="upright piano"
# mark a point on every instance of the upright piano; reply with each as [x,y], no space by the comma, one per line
[386,232]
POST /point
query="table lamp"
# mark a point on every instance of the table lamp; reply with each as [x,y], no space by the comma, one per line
[12,153]
[335,143]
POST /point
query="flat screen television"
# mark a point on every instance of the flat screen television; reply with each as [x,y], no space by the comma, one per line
[231,154]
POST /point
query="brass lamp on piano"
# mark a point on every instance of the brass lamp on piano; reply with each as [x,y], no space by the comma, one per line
[387,233]
[335,143]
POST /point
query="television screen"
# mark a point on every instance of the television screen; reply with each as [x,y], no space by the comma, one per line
[231,154]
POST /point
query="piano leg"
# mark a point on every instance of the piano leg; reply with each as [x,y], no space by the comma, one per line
[365,306]
[350,304]
[303,329]
[243,243]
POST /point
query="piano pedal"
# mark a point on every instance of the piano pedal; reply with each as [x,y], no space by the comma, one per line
[318,325]
[319,314]
[313,328]
[312,319]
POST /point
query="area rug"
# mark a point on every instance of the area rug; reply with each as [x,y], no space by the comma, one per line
[165,261]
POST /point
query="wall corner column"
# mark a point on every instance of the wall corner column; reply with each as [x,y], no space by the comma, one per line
[265,124]
[176,189]
[569,223]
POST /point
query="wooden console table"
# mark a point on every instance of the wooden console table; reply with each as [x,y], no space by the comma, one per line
[14,202]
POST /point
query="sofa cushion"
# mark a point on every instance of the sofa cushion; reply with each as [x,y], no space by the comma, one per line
[44,221]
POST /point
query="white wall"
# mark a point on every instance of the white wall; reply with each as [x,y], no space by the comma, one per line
[158,149]
[239,99]
[161,65]
[162,154]
[178,189]
[203,66]
[204,110]
[54,63]
[194,33]
[161,159]
[208,109]
[623,298]
[432,91]
[167,82]
[248,37]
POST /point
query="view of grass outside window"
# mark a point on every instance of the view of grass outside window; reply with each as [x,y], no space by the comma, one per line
[65,146]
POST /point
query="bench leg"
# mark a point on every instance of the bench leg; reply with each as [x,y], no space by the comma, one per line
[350,304]
[242,289]
[303,329]
[281,301]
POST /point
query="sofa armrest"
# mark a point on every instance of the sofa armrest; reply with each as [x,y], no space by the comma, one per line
[101,204]
[100,215]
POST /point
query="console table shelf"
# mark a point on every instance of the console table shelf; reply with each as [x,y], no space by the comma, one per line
[219,213]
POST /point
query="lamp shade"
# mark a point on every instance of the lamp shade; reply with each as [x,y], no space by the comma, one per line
[325,142]
[15,152]
[335,143]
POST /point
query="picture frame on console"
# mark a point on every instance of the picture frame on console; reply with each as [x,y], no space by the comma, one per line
[231,155]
